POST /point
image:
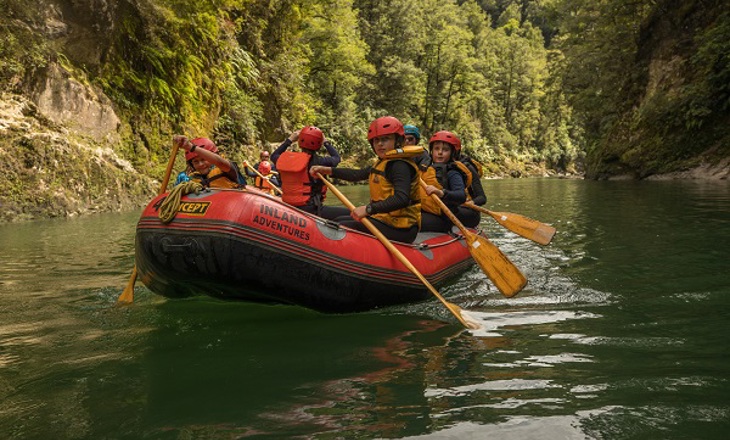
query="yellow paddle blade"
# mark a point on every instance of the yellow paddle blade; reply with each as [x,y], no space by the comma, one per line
[524,226]
[127,297]
[503,273]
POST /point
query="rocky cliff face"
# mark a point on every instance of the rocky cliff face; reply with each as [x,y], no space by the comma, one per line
[66,101]
[50,170]
[63,133]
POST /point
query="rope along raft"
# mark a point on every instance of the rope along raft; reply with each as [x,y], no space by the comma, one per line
[169,207]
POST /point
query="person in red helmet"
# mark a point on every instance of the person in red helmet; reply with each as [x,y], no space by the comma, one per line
[448,179]
[267,183]
[298,187]
[394,206]
[264,156]
[209,168]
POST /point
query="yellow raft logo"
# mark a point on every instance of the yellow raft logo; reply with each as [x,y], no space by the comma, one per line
[194,208]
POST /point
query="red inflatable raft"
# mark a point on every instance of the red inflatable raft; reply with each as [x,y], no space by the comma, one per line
[246,245]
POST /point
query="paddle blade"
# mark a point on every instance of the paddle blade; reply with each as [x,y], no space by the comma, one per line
[524,226]
[466,320]
[503,273]
[127,297]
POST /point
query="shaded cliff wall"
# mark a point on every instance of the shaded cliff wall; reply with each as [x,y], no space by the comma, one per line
[677,115]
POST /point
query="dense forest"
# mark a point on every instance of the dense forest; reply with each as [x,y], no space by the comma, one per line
[601,87]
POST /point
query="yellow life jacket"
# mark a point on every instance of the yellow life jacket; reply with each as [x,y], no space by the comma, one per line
[214,179]
[431,177]
[472,165]
[381,188]
[296,185]
[477,166]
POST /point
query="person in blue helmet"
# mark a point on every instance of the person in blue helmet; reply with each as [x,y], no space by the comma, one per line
[413,137]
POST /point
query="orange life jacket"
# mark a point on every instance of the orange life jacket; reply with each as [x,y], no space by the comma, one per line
[297,186]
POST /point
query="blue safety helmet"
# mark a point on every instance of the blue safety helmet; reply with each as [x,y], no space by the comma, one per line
[413,131]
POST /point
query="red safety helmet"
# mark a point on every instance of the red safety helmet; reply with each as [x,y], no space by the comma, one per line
[311,138]
[448,137]
[383,126]
[204,143]
[265,167]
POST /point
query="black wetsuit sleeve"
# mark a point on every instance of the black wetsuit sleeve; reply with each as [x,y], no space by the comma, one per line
[280,149]
[249,171]
[350,174]
[478,196]
[400,174]
[456,194]
[334,157]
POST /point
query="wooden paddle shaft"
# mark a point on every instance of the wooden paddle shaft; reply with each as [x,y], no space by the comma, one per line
[127,295]
[276,188]
[168,171]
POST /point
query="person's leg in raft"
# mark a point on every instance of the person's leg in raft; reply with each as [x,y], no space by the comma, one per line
[332,212]
[403,235]
[469,217]
[434,223]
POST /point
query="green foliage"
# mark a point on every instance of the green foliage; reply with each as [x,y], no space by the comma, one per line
[528,80]
[22,49]
[648,82]
[711,62]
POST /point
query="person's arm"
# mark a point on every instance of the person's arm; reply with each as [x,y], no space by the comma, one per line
[478,196]
[400,175]
[350,174]
[235,174]
[211,157]
[249,171]
[284,145]
[334,157]
[280,149]
[455,195]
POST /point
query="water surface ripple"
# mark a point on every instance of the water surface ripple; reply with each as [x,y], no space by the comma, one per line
[620,333]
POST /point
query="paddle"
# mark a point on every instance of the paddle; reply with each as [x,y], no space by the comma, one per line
[505,275]
[519,224]
[276,188]
[127,295]
[453,308]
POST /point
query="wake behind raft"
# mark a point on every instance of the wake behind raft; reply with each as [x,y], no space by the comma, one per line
[250,246]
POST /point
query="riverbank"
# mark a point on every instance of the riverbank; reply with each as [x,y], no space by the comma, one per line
[707,170]
[50,169]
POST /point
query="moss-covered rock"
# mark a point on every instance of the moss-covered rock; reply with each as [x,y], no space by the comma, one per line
[48,171]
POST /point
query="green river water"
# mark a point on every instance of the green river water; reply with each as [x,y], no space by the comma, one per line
[621,333]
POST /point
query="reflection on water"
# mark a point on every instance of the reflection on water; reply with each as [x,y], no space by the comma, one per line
[619,334]
[490,322]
